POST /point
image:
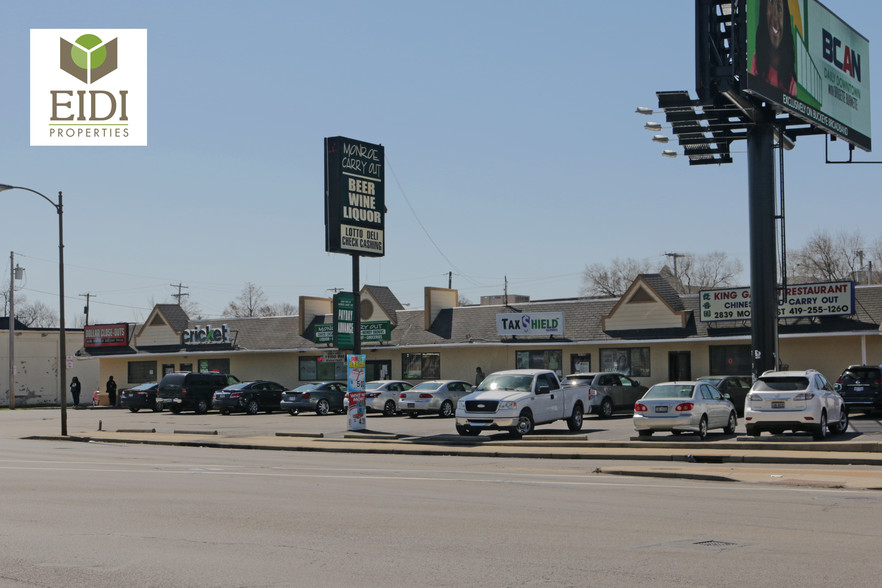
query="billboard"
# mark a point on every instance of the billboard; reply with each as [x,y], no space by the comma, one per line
[355,201]
[803,58]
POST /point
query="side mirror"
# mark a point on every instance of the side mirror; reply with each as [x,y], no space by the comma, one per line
[837,386]
[726,396]
[543,390]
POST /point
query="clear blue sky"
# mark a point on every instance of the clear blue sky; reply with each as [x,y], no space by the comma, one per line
[509,130]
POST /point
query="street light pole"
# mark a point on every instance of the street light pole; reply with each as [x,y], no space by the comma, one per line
[62,343]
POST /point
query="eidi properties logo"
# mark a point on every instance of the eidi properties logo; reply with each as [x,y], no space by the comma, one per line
[88,87]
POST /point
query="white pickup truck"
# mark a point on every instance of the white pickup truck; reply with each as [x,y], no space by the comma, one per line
[518,400]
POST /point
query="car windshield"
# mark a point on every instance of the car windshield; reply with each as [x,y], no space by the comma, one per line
[669,391]
[427,386]
[238,386]
[506,382]
[781,384]
[862,374]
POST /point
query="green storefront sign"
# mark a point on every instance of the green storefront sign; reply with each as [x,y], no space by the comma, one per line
[370,331]
[344,320]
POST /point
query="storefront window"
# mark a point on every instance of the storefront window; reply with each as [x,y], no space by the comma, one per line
[580,364]
[420,366]
[140,372]
[312,370]
[632,361]
[220,366]
[550,359]
[729,360]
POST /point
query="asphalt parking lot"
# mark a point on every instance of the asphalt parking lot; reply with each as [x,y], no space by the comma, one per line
[618,428]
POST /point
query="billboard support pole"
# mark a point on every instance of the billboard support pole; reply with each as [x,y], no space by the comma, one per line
[763,279]
[356,310]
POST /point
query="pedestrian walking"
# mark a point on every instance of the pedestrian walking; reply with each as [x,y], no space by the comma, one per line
[479,376]
[111,391]
[75,388]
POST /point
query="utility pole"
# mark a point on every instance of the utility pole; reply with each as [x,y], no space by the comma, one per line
[14,273]
[87,296]
[179,294]
[675,256]
[450,280]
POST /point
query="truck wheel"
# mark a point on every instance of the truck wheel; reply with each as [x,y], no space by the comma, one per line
[574,423]
[201,406]
[525,424]
[606,409]
[252,407]
[446,409]
[467,431]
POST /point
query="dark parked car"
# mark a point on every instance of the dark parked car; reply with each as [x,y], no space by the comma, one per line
[609,391]
[250,397]
[320,397]
[861,387]
[191,390]
[736,387]
[141,396]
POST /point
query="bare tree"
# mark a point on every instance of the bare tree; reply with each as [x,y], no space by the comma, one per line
[251,302]
[714,270]
[693,273]
[612,280]
[281,309]
[827,258]
[36,315]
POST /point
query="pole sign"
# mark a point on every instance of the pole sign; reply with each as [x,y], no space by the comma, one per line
[807,61]
[355,201]
[355,376]
[802,300]
[344,320]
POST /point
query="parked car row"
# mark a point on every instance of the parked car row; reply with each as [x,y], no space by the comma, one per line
[777,401]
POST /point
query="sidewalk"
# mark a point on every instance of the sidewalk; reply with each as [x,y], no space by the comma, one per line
[829,464]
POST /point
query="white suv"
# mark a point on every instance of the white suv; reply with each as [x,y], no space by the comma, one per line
[794,401]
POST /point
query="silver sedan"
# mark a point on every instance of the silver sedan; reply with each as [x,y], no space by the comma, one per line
[435,397]
[678,407]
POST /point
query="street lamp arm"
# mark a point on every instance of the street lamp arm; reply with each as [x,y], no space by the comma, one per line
[40,194]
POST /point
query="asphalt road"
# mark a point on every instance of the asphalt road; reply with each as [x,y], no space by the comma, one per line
[96,515]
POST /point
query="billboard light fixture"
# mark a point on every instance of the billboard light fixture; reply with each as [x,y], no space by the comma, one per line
[660,138]
[644,110]
[652,126]
[669,153]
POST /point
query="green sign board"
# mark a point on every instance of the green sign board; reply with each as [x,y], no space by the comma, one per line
[370,331]
[344,320]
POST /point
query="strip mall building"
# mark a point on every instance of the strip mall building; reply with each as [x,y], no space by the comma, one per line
[650,332]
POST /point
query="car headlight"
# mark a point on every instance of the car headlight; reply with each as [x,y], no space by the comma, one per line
[460,405]
[507,405]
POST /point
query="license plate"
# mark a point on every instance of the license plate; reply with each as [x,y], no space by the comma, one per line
[777,404]
[661,409]
[858,388]
[410,405]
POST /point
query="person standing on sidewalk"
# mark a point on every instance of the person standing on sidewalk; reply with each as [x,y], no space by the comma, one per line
[111,391]
[75,388]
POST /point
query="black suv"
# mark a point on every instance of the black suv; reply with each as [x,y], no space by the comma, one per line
[191,391]
[861,387]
